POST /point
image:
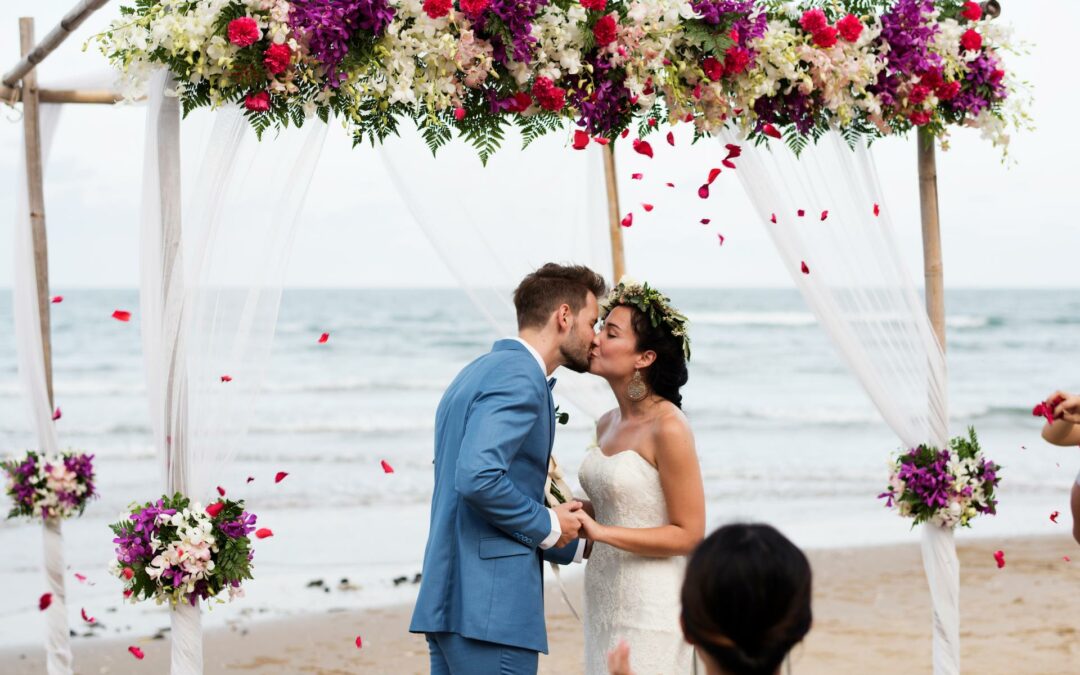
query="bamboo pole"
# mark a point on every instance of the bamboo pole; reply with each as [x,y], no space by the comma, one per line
[618,256]
[35,55]
[36,197]
[931,230]
[13,95]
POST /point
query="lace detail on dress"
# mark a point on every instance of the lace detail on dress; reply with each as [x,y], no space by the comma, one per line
[630,597]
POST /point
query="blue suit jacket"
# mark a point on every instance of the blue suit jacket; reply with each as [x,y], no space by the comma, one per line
[483,575]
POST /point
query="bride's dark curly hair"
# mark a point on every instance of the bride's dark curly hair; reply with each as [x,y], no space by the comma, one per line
[668,373]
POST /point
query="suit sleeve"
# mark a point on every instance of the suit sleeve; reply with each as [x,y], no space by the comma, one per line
[499,421]
[570,553]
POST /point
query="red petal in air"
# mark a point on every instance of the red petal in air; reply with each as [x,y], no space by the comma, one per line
[802,212]
[80,577]
[600,140]
[264,532]
[636,176]
[57,299]
[87,618]
[221,491]
[1066,558]
[1054,517]
[280,476]
[359,642]
[250,478]
[773,218]
[805,269]
[824,215]
[628,220]
[703,191]
[733,150]
[670,185]
[121,315]
[706,221]
[771,131]
[44,601]
[713,173]
[214,509]
[625,133]
[136,652]
[581,139]
[386,467]
[671,139]
[647,207]
[721,239]
[57,414]
[728,163]
[877,210]
[324,338]
[127,593]
[999,556]
[226,378]
[642,147]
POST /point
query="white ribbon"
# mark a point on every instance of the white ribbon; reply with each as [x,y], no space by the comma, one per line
[57,638]
[187,655]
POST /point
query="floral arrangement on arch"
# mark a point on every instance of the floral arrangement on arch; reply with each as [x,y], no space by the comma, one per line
[476,67]
[175,551]
[49,487]
[943,487]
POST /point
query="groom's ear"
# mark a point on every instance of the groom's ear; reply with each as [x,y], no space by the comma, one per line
[564,317]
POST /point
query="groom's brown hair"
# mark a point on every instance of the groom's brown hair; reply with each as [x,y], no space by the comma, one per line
[540,293]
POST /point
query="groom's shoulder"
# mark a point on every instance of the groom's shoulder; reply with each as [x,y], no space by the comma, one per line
[505,364]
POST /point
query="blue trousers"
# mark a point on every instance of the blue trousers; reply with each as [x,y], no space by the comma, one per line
[452,654]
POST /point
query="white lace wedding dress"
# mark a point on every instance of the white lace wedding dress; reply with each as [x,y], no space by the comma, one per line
[630,597]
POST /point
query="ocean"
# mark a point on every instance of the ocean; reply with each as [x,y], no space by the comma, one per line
[784,433]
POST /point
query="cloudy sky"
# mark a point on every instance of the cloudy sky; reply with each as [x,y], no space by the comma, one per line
[1004,225]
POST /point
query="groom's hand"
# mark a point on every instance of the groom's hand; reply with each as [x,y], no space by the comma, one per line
[569,522]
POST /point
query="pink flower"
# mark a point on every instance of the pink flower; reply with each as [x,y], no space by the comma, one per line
[548,95]
[276,58]
[604,30]
[971,40]
[714,70]
[813,21]
[826,37]
[437,8]
[259,102]
[972,11]
[594,5]
[850,27]
[244,31]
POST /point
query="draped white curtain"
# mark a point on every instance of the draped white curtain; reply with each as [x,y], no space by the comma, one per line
[214,253]
[31,359]
[863,296]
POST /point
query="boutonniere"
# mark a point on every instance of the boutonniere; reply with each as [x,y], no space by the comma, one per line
[561,417]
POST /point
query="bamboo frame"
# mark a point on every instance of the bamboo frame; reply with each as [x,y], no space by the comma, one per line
[618,254]
[13,95]
[933,267]
[36,54]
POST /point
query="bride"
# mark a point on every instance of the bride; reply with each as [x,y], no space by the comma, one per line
[644,487]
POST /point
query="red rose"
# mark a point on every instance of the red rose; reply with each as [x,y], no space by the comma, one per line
[276,58]
[826,37]
[522,101]
[548,95]
[474,7]
[920,118]
[604,30]
[437,8]
[813,21]
[714,70]
[919,94]
[850,27]
[594,5]
[971,41]
[459,114]
[243,31]
[736,59]
[932,78]
[258,103]
[948,91]
[972,11]
[997,76]
[214,509]
[128,573]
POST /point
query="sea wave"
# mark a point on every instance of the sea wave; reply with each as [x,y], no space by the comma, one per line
[800,319]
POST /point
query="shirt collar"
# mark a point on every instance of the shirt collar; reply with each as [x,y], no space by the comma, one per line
[536,355]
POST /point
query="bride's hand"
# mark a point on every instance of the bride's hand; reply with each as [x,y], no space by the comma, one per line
[590,529]
[618,660]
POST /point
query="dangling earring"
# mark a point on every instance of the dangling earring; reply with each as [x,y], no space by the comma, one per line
[637,389]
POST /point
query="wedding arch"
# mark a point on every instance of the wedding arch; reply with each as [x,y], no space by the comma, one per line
[796,92]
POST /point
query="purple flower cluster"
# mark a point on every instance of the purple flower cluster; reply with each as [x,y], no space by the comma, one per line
[134,544]
[517,16]
[601,109]
[931,484]
[983,85]
[234,529]
[793,107]
[29,480]
[329,27]
[908,34]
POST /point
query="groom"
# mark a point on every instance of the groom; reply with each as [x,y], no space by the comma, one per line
[481,602]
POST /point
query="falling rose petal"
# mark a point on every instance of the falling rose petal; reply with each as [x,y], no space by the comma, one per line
[600,140]
[824,216]
[1054,517]
[359,642]
[636,176]
[280,476]
[386,467]
[250,478]
[127,593]
[670,185]
[770,131]
[57,414]
[648,207]
[1066,558]
[44,601]
[324,338]
[128,573]
[999,556]
[628,220]
[733,150]
[671,139]
[264,533]
[581,139]
[221,491]
[773,219]
[721,239]
[703,191]
[87,618]
[801,212]
[706,221]
[121,315]
[713,173]
[643,148]
[214,509]
[728,163]
[625,133]
[877,210]
[805,269]
[57,299]
[226,378]
[80,577]
[136,652]
[652,122]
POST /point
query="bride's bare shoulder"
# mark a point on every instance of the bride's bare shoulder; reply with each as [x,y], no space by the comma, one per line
[605,421]
[671,425]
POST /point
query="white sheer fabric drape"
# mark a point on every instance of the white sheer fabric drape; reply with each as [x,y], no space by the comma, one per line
[30,355]
[214,253]
[507,221]
[863,296]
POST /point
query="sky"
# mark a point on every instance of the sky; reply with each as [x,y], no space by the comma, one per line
[1004,225]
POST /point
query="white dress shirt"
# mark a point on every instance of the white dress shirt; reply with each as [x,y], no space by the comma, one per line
[556,529]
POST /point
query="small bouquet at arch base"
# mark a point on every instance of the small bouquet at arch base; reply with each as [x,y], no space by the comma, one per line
[49,487]
[943,487]
[174,550]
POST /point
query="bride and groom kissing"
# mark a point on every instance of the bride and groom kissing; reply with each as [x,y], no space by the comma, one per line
[481,602]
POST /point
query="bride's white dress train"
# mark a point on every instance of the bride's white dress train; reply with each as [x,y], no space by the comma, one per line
[631,597]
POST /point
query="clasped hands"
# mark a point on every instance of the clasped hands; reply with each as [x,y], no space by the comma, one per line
[576,522]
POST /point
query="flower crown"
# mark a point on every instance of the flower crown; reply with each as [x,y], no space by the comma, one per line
[653,304]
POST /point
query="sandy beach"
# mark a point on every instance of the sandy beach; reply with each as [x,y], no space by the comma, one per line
[871,615]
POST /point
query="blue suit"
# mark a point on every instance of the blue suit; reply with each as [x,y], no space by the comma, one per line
[483,577]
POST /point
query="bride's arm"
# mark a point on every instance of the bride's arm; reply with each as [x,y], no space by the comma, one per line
[680,478]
